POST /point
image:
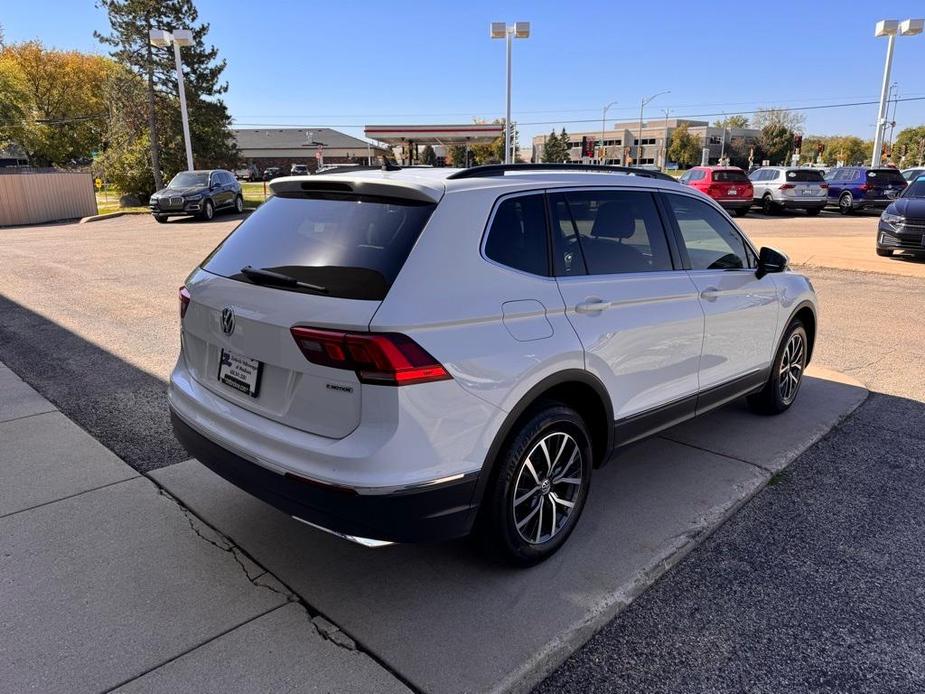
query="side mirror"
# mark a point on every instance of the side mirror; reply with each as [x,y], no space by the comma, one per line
[771,260]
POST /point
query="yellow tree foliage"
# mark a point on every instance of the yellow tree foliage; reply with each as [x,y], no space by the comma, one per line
[53,102]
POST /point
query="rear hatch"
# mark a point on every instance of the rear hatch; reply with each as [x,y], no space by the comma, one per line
[804,184]
[730,184]
[884,183]
[304,258]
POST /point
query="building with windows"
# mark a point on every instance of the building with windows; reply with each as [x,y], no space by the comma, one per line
[282,147]
[624,144]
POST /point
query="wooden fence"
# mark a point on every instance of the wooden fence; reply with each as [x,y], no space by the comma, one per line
[33,198]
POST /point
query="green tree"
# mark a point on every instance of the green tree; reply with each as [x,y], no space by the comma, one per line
[735,121]
[456,156]
[846,148]
[552,153]
[130,22]
[685,147]
[429,156]
[52,103]
[775,142]
[909,146]
[794,121]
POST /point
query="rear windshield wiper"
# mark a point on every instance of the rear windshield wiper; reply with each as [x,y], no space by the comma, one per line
[263,276]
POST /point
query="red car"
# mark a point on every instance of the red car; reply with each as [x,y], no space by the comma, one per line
[728,185]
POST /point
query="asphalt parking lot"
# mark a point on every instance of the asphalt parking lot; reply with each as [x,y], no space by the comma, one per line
[88,317]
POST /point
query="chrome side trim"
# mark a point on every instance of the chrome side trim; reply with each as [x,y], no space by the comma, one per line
[363,541]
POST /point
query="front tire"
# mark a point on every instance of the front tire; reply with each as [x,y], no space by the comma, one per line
[160,218]
[783,384]
[846,203]
[541,485]
[208,211]
[885,252]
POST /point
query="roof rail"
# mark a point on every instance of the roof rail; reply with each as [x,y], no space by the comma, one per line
[501,169]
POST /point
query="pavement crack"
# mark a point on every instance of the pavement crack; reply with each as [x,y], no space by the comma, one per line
[256,575]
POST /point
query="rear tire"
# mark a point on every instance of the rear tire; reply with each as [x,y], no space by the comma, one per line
[767,205]
[740,212]
[542,476]
[239,204]
[786,376]
[813,212]
[884,252]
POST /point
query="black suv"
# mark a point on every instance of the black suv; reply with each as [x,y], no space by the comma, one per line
[197,193]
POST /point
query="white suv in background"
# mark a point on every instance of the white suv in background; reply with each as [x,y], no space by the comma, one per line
[414,355]
[789,188]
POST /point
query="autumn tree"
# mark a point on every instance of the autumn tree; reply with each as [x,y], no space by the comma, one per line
[909,146]
[794,121]
[735,121]
[131,22]
[685,147]
[52,102]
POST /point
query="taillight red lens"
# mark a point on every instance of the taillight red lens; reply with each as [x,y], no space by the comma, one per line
[184,301]
[787,186]
[377,358]
[864,186]
[824,186]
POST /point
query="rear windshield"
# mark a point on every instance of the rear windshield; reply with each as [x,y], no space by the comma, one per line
[730,177]
[885,176]
[805,176]
[353,246]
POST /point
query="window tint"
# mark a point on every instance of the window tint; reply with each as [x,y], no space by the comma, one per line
[517,237]
[804,176]
[613,231]
[712,243]
[352,245]
[728,176]
[885,176]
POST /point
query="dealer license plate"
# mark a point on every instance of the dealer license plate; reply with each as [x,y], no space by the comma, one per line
[240,373]
[733,191]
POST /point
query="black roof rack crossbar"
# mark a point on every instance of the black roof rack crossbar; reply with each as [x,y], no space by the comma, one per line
[501,169]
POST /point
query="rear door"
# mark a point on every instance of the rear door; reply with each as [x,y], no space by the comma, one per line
[346,250]
[637,316]
[740,309]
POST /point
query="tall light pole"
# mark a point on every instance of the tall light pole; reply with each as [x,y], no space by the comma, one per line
[642,105]
[501,30]
[666,111]
[889,28]
[603,118]
[180,37]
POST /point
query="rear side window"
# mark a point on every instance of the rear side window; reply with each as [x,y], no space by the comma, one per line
[885,176]
[353,246]
[730,177]
[804,176]
[613,231]
[712,243]
[517,237]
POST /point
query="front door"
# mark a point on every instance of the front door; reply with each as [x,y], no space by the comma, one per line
[740,309]
[637,316]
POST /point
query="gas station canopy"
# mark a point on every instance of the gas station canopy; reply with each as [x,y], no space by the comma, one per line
[471,134]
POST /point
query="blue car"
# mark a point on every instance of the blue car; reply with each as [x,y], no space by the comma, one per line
[859,187]
[902,224]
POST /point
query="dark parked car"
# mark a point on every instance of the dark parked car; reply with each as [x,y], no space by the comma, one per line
[298,170]
[271,172]
[860,187]
[902,224]
[197,193]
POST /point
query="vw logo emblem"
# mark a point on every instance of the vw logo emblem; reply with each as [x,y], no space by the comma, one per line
[228,320]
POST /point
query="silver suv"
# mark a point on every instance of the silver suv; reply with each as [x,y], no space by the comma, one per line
[414,355]
[786,187]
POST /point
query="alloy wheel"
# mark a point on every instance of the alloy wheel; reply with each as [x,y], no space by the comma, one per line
[792,362]
[547,487]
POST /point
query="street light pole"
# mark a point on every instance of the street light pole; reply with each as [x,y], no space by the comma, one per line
[180,37]
[501,30]
[642,105]
[889,28]
[603,118]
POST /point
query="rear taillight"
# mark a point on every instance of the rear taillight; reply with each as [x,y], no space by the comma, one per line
[184,301]
[787,186]
[864,186]
[824,186]
[715,190]
[389,359]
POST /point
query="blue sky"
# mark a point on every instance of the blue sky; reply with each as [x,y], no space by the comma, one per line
[344,64]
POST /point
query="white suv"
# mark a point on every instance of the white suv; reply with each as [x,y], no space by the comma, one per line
[414,355]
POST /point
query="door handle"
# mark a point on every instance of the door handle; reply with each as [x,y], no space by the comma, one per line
[592,306]
[710,294]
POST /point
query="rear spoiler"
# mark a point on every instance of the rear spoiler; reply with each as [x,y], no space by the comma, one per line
[373,185]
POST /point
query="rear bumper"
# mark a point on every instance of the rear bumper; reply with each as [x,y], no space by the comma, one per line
[426,514]
[797,204]
[735,204]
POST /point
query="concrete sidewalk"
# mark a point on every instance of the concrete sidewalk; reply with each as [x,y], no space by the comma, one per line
[109,583]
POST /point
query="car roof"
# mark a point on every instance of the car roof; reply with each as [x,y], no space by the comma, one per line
[432,183]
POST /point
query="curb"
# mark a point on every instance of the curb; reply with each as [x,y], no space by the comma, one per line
[108,215]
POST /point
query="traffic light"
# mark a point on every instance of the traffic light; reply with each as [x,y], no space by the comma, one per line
[587,146]
[797,141]
[820,147]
